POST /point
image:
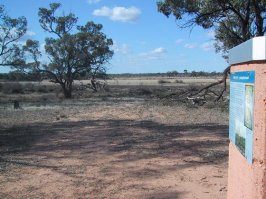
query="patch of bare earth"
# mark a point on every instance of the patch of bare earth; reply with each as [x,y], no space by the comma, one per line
[131,149]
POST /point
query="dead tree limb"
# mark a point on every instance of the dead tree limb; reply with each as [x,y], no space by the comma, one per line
[206,89]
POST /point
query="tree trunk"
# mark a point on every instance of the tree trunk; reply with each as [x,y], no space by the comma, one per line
[68,94]
[259,18]
[93,83]
[67,90]
[16,104]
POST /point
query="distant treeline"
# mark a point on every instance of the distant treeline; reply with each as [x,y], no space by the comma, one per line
[168,74]
[18,76]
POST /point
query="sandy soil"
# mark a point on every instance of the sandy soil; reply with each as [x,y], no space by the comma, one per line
[113,149]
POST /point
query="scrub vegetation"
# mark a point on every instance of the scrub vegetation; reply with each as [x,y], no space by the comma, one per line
[128,140]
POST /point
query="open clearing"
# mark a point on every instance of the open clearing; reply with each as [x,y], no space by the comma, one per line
[113,147]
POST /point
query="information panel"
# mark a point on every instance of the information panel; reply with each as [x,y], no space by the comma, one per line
[241,111]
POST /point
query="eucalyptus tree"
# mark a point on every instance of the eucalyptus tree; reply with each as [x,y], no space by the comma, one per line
[233,21]
[73,50]
[11,31]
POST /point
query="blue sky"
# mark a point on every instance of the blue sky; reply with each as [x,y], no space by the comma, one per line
[144,39]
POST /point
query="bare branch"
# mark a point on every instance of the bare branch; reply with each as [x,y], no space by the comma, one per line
[223,80]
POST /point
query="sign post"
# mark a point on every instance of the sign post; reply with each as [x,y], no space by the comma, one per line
[247,121]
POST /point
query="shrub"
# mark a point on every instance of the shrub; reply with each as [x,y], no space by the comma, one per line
[193,88]
[17,88]
[143,91]
[53,88]
[12,88]
[43,89]
[179,81]
[29,87]
[140,91]
[162,81]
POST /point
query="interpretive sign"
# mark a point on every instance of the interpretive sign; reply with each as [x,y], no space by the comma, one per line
[241,111]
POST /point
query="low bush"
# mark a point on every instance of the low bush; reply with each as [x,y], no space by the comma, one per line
[162,81]
[29,87]
[12,88]
[143,91]
[194,88]
[43,89]
[140,91]
[179,81]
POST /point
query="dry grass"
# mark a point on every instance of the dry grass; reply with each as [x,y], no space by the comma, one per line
[154,81]
[122,143]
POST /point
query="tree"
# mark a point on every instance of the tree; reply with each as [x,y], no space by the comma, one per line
[234,21]
[75,50]
[11,30]
[172,73]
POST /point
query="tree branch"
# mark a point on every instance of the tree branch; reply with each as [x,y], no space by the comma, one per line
[223,80]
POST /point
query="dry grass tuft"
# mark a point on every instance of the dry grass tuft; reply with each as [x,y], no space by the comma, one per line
[163,81]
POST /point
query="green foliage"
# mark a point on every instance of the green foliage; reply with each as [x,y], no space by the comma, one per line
[75,51]
[11,30]
[234,21]
[172,73]
[200,74]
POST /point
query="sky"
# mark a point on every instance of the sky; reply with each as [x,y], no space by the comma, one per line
[145,41]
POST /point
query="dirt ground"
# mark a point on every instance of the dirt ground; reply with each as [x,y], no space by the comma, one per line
[113,148]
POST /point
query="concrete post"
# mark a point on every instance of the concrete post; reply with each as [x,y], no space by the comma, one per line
[247,125]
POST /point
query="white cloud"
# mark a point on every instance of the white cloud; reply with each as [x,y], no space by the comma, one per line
[157,53]
[211,34]
[190,46]
[115,47]
[42,48]
[103,12]
[159,50]
[44,57]
[208,46]
[118,13]
[178,41]
[30,33]
[124,48]
[22,42]
[93,1]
